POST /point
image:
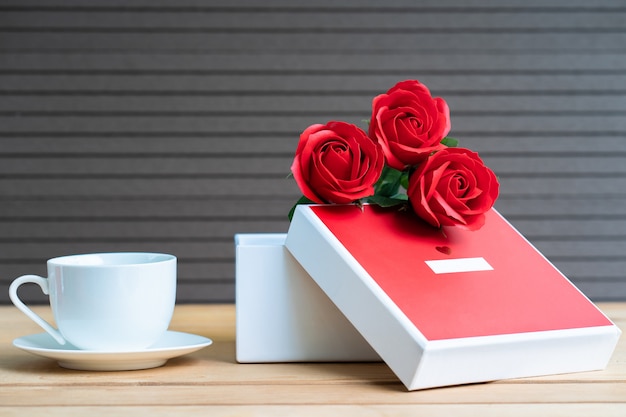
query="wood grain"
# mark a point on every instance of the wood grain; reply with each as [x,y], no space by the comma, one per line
[210,381]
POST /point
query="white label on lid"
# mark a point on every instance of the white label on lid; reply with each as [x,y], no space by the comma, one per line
[447,266]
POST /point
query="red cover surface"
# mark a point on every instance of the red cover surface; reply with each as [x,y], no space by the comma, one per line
[523,293]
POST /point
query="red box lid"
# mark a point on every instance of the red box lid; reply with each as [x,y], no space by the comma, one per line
[523,292]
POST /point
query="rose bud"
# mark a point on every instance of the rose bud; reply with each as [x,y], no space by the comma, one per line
[336,163]
[453,187]
[409,123]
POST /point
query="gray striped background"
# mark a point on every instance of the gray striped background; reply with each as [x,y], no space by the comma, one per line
[170,125]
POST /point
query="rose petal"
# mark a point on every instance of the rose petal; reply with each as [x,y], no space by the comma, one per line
[453,187]
[337,163]
[409,123]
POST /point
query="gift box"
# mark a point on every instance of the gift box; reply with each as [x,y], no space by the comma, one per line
[449,306]
[281,313]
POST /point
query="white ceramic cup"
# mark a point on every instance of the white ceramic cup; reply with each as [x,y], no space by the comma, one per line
[106,301]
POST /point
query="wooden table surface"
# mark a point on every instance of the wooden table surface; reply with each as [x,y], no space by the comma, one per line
[209,382]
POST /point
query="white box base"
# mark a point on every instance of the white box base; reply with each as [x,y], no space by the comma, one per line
[282,315]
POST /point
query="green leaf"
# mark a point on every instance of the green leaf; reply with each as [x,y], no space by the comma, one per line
[383,201]
[404,180]
[302,200]
[450,142]
[400,196]
[389,182]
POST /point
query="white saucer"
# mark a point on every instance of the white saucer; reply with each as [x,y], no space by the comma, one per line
[171,345]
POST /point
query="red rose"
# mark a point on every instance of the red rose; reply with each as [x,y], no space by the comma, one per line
[453,187]
[336,163]
[409,123]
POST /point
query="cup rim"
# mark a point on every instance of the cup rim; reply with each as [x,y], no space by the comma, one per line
[99,260]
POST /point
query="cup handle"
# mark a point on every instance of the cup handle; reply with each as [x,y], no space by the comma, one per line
[43,283]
